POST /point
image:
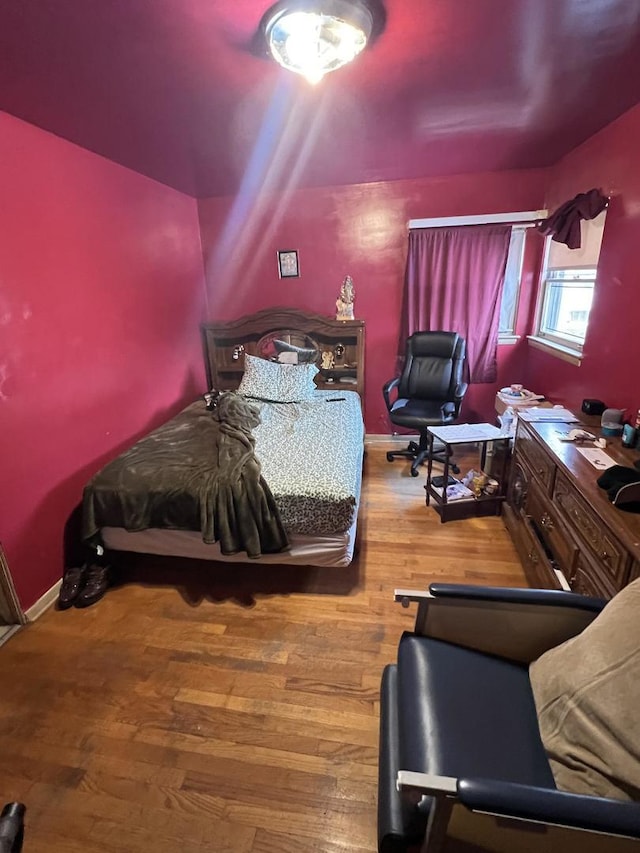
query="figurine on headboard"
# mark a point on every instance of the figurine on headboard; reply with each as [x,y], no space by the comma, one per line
[344,302]
[328,360]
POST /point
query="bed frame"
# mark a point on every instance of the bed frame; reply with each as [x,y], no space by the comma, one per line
[225,345]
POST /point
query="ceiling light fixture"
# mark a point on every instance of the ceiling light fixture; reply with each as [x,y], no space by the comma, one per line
[313,37]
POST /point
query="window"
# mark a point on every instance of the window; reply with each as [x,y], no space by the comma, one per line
[566,288]
[566,304]
[511,287]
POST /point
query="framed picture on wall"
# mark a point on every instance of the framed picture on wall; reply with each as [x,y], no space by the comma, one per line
[288,266]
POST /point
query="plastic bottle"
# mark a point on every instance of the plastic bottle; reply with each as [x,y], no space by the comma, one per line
[508,420]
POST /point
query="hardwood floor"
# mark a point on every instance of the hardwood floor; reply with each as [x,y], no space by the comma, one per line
[227,708]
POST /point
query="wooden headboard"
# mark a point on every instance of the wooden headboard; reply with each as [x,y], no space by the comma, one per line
[226,343]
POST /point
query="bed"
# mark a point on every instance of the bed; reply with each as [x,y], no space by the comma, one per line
[309,450]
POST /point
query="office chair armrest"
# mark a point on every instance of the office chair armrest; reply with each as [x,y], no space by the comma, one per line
[546,805]
[387,388]
[461,390]
[518,624]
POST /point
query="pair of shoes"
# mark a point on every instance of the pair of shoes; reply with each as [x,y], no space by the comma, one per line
[84,586]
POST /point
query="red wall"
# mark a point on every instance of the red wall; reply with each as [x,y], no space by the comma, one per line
[101,294]
[609,369]
[361,231]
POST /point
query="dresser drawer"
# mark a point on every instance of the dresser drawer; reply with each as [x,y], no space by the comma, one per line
[519,482]
[587,580]
[552,529]
[609,555]
[535,562]
[541,464]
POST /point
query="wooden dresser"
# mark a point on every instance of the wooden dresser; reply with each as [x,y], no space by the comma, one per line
[561,520]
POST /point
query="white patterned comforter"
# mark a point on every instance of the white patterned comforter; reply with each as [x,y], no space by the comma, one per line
[311,457]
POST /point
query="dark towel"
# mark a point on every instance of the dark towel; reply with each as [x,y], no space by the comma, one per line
[196,472]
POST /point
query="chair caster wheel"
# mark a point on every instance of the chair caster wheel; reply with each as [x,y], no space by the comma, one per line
[455,469]
[413,447]
[415,472]
[389,456]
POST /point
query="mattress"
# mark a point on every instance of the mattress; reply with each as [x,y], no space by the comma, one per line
[311,458]
[335,549]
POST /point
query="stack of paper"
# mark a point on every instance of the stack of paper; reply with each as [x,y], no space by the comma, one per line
[539,413]
[458,433]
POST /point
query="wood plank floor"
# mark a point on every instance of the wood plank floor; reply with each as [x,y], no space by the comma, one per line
[222,707]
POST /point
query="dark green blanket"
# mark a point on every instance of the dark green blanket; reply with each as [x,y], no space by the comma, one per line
[196,472]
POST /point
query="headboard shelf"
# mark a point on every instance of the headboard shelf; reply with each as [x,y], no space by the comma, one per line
[226,343]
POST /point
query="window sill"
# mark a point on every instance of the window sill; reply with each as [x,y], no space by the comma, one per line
[573,356]
[508,340]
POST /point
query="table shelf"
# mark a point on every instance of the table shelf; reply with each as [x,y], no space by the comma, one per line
[464,507]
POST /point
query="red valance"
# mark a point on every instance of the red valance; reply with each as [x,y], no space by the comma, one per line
[564,224]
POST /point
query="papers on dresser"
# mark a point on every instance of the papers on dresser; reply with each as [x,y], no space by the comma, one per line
[598,458]
[461,433]
[540,413]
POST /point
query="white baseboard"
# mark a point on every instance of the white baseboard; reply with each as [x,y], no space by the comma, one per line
[371,437]
[7,632]
[44,602]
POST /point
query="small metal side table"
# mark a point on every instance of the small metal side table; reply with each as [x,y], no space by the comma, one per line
[481,435]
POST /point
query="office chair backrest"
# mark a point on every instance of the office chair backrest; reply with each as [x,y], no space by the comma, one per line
[433,366]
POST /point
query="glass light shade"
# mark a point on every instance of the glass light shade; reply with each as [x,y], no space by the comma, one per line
[314,43]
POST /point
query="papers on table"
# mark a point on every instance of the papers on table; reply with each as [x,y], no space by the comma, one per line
[455,492]
[540,413]
[598,458]
[460,433]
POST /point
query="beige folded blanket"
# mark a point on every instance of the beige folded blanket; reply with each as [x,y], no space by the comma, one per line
[587,695]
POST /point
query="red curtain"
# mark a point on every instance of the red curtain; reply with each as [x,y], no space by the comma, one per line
[453,282]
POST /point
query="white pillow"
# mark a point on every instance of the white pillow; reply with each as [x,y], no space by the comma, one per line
[275,382]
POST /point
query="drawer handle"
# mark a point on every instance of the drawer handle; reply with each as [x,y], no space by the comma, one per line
[605,556]
[546,521]
[533,558]
[541,471]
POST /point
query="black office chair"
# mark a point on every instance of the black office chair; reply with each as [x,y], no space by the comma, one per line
[429,391]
